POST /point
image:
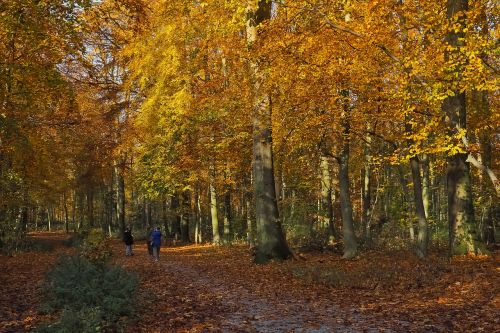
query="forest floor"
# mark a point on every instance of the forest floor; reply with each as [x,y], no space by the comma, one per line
[218,289]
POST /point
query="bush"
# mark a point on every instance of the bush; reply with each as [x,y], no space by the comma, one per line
[89,297]
[95,247]
[12,239]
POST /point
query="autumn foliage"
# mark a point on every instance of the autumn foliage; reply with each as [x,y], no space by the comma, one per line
[355,127]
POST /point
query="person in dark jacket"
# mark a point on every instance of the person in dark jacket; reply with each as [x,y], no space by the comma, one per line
[149,241]
[128,239]
[156,243]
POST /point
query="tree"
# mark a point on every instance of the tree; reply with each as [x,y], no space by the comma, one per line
[271,243]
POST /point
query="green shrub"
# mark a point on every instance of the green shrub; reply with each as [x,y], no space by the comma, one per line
[95,246]
[88,296]
[12,239]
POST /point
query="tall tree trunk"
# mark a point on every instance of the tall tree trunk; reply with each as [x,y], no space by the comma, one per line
[176,218]
[186,212]
[422,238]
[73,210]
[216,239]
[22,219]
[271,242]
[49,219]
[327,213]
[405,203]
[66,214]
[367,178]
[462,233]
[120,196]
[199,219]
[250,229]
[350,243]
[488,225]
[227,216]
[426,185]
[164,212]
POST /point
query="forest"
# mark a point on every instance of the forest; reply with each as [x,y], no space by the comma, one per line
[273,131]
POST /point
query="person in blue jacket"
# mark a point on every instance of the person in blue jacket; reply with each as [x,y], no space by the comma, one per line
[156,243]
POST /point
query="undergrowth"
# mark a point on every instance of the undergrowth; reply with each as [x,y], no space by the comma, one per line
[88,297]
[86,292]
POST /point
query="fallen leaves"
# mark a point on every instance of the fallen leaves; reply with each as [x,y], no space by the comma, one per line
[20,283]
[213,289]
[378,291]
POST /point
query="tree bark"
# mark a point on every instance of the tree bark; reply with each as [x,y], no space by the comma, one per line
[176,218]
[185,217]
[367,179]
[199,219]
[250,229]
[422,238]
[120,196]
[66,214]
[426,185]
[327,213]
[350,243]
[227,216]
[462,234]
[271,242]
[216,239]
[49,220]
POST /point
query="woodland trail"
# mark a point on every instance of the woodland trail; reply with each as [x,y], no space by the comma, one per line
[191,295]
[219,289]
[247,311]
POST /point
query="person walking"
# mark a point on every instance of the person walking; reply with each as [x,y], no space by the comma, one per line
[156,243]
[128,239]
[149,240]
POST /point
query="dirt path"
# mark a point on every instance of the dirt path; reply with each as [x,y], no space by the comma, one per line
[192,293]
[248,311]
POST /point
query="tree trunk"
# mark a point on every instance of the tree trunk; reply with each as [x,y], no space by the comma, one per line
[227,216]
[250,229]
[214,213]
[366,190]
[350,243]
[271,242]
[460,210]
[176,218]
[462,234]
[66,214]
[120,197]
[199,219]
[164,212]
[49,219]
[327,214]
[422,238]
[405,203]
[186,212]
[426,184]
